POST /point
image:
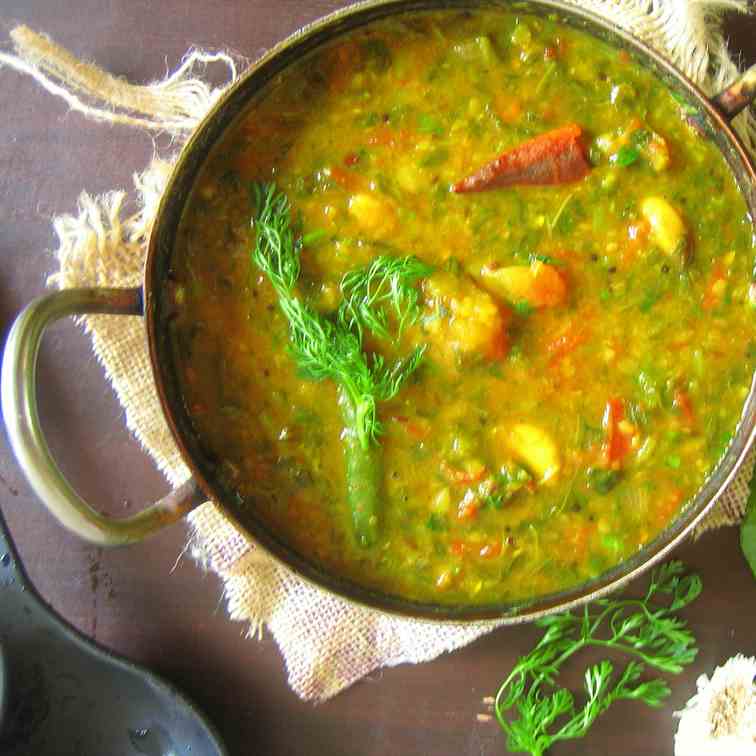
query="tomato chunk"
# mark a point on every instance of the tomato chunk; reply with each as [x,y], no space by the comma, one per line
[473,472]
[716,287]
[684,404]
[617,444]
[570,338]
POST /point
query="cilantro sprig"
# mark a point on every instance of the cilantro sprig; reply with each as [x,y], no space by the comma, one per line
[646,629]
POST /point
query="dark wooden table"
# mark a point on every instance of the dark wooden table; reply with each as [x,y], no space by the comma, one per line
[150,602]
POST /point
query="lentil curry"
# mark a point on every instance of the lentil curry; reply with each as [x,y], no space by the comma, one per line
[463,307]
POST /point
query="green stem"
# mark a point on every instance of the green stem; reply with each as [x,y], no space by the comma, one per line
[363,474]
[630,651]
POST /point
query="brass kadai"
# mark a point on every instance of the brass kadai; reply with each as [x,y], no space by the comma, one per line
[711,116]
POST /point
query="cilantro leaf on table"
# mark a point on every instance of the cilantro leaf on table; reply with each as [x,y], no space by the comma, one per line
[535,713]
[748,529]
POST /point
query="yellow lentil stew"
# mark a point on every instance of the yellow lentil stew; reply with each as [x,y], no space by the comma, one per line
[464,307]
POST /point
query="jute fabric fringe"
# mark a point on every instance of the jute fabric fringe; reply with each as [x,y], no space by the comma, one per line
[326,643]
[174,105]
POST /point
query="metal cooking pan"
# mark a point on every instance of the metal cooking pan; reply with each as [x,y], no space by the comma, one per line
[712,118]
[63,693]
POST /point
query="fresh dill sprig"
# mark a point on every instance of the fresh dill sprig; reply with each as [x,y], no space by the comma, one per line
[276,250]
[642,628]
[388,283]
[322,347]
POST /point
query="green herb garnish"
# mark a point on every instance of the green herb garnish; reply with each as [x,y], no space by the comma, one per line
[630,153]
[601,479]
[640,137]
[627,155]
[647,629]
[509,481]
[388,283]
[523,308]
[436,523]
[427,124]
[567,221]
[548,259]
[649,299]
[434,158]
[314,237]
[332,348]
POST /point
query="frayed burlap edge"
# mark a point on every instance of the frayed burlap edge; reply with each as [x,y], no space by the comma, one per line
[174,105]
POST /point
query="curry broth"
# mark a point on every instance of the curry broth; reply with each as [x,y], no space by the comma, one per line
[646,348]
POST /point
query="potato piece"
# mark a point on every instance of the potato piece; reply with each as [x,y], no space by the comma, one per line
[538,285]
[535,449]
[441,502]
[657,152]
[639,141]
[667,228]
[409,177]
[374,214]
[466,322]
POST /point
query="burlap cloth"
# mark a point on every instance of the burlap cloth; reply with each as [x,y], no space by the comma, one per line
[326,643]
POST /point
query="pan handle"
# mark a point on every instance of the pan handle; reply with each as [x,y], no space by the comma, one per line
[738,96]
[19,405]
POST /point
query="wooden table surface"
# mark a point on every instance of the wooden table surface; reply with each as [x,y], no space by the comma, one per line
[152,603]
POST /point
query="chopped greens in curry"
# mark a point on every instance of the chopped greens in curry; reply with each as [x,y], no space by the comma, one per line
[463,307]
